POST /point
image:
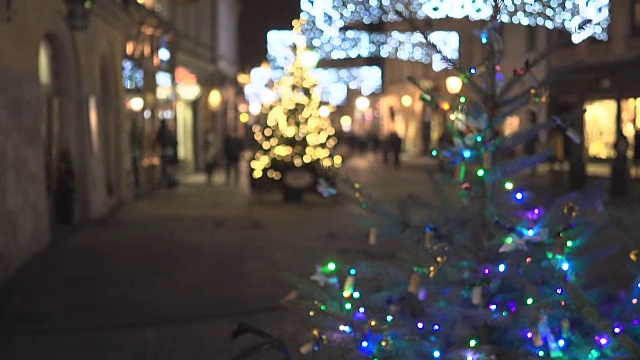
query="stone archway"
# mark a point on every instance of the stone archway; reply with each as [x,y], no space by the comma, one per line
[59,178]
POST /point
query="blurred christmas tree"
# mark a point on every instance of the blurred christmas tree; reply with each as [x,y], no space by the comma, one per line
[487,274]
[297,137]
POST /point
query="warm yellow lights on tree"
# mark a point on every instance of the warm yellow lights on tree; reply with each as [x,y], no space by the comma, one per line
[297,131]
[214,100]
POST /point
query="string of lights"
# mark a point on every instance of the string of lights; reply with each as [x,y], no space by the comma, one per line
[327,21]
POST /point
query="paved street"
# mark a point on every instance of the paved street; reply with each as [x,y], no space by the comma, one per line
[170,275]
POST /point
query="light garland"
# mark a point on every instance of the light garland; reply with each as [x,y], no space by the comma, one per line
[333,83]
[296,133]
[327,19]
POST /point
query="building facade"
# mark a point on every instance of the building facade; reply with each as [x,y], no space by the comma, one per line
[84,86]
[352,31]
[605,85]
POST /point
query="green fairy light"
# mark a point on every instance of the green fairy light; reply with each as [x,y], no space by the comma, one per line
[529,301]
[508,240]
[480,172]
[508,185]
[331,266]
[323,307]
[463,99]
[473,342]
[569,243]
[348,306]
[594,354]
[434,152]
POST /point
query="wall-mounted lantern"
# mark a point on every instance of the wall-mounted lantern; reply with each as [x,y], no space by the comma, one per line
[78,14]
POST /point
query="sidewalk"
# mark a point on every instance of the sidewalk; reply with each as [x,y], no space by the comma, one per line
[170,275]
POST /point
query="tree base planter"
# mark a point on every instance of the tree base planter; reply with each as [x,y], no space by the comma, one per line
[290,194]
[295,182]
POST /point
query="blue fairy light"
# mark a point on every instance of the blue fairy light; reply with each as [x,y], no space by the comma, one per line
[435,327]
[420,325]
[502,267]
[484,37]
[519,196]
[356,295]
[436,354]
[473,71]
[466,153]
[565,266]
[561,343]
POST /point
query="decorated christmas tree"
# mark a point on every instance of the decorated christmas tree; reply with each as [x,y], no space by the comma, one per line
[485,271]
[296,138]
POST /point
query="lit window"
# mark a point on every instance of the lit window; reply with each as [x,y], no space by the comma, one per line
[600,127]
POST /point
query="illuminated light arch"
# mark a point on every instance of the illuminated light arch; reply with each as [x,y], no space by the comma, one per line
[326,20]
[333,83]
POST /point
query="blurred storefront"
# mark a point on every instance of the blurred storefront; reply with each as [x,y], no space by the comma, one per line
[147,77]
[609,95]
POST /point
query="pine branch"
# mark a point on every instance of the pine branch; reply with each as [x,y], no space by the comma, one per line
[512,167]
[521,137]
[452,63]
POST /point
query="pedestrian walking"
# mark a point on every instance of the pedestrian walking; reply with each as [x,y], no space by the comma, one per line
[619,181]
[233,147]
[394,145]
[65,189]
[166,138]
[211,156]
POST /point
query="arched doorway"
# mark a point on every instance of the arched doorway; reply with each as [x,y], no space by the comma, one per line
[59,176]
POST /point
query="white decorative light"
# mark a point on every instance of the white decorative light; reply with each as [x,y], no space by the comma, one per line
[362,103]
[267,97]
[188,91]
[136,103]
[324,111]
[164,54]
[309,59]
[406,100]
[453,84]
[255,108]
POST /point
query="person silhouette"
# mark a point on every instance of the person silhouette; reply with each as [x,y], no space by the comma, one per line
[166,138]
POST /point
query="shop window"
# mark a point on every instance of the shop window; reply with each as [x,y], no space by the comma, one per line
[511,125]
[630,120]
[635,17]
[600,128]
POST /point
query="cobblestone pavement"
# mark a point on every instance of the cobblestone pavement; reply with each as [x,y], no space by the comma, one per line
[170,275]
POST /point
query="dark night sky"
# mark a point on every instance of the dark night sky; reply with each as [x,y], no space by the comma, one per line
[256,18]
